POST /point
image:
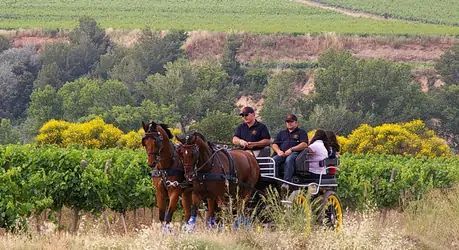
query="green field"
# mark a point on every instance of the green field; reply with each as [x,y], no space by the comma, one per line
[439,11]
[264,16]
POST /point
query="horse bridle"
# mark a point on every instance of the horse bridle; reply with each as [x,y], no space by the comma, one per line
[194,154]
[158,146]
[195,166]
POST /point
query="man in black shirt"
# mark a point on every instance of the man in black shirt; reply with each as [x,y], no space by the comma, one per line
[288,144]
[251,134]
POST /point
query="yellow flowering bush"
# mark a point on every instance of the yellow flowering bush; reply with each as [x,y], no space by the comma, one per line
[92,134]
[51,132]
[131,140]
[175,131]
[411,138]
[110,136]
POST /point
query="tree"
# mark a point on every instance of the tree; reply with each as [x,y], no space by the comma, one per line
[446,109]
[45,104]
[217,126]
[50,74]
[4,44]
[127,117]
[448,65]
[112,93]
[18,70]
[194,91]
[8,134]
[148,56]
[78,97]
[282,98]
[55,66]
[107,61]
[256,80]
[64,62]
[229,60]
[85,97]
[381,90]
[337,119]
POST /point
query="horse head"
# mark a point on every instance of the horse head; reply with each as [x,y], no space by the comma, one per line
[188,152]
[155,138]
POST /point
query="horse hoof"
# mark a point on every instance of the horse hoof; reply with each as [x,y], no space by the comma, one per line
[189,227]
[242,223]
[212,223]
[166,228]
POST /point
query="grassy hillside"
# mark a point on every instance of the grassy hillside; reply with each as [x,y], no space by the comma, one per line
[264,16]
[440,11]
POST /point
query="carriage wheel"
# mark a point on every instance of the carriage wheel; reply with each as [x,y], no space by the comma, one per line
[303,202]
[331,212]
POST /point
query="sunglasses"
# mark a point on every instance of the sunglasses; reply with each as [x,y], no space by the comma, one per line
[244,114]
[289,121]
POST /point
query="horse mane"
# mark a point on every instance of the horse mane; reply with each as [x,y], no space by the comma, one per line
[166,128]
[210,144]
[200,136]
[152,128]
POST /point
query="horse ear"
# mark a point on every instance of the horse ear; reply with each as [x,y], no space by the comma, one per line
[144,126]
[181,138]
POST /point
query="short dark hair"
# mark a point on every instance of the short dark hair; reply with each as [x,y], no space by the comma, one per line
[247,110]
[291,117]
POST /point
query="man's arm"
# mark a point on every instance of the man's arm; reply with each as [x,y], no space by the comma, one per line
[238,141]
[276,149]
[299,147]
[261,143]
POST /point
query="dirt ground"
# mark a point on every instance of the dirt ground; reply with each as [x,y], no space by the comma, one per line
[202,45]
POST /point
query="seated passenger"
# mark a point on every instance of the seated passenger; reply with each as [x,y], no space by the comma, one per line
[334,151]
[319,150]
[333,143]
[288,144]
[251,134]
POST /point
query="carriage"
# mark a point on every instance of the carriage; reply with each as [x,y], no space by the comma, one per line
[322,190]
[200,170]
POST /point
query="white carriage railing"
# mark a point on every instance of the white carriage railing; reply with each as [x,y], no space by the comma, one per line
[268,169]
[267,166]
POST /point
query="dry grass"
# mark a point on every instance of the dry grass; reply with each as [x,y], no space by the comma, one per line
[361,231]
[434,221]
[431,223]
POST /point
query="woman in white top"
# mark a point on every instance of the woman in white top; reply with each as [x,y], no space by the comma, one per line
[318,151]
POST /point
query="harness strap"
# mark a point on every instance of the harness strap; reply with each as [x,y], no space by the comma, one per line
[232,168]
[215,177]
[168,172]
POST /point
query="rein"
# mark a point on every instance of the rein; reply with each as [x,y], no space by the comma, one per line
[232,176]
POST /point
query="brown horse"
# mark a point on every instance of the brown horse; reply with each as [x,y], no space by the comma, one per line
[215,173]
[168,173]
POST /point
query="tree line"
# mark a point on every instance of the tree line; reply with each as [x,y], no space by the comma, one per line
[91,76]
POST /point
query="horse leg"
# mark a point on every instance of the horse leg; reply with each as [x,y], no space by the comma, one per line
[191,223]
[210,216]
[186,203]
[173,200]
[161,203]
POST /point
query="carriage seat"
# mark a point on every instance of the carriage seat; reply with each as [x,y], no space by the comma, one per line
[302,164]
[265,152]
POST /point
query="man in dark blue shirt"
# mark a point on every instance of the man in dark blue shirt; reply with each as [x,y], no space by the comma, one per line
[288,144]
[251,134]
